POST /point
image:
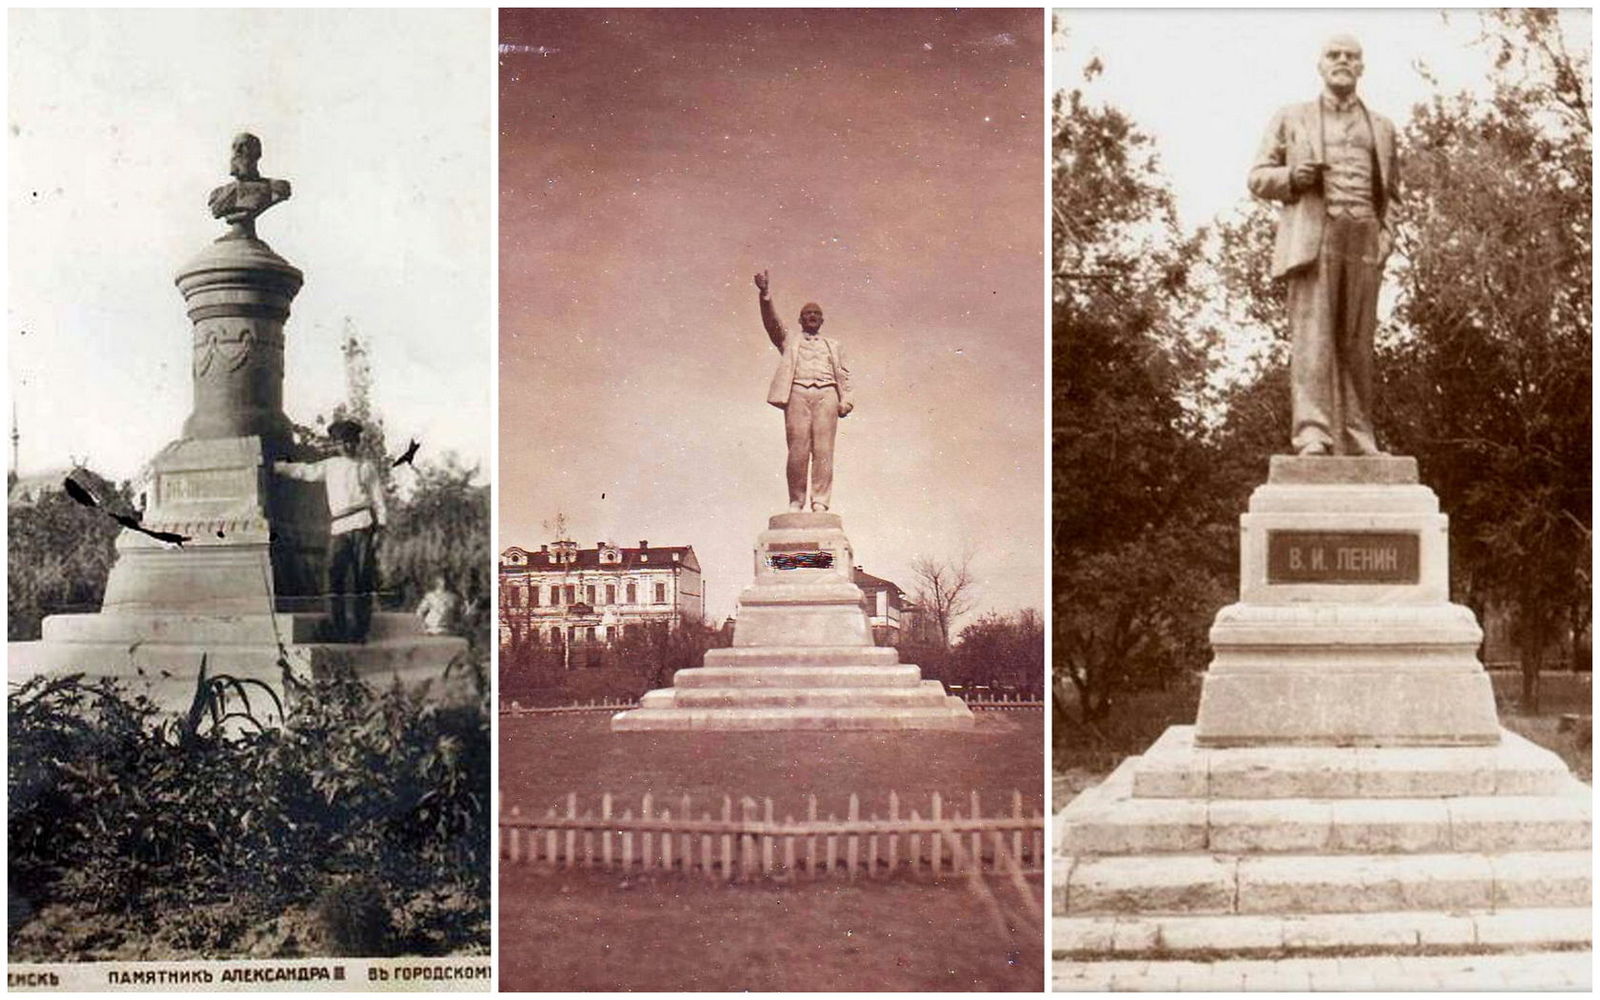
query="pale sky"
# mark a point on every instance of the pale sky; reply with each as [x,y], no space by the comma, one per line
[887,164]
[1204,83]
[119,128]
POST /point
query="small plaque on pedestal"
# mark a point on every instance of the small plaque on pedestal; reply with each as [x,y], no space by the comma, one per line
[1343,557]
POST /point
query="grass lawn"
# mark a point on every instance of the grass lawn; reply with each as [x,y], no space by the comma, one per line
[591,930]
[542,758]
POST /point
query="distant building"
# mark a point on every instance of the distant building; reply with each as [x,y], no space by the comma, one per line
[885,605]
[584,600]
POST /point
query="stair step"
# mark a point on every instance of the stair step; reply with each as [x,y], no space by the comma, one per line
[1552,970]
[1391,932]
[1174,767]
[929,694]
[1301,883]
[948,716]
[803,656]
[897,675]
[1108,820]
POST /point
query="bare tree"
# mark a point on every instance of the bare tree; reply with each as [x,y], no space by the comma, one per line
[944,588]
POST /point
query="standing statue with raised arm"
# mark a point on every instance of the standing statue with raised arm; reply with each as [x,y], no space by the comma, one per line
[1332,164]
[812,387]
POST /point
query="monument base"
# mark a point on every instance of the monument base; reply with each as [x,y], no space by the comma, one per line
[159,655]
[802,655]
[1344,634]
[1189,853]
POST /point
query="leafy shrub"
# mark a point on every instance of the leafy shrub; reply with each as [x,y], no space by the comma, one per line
[112,811]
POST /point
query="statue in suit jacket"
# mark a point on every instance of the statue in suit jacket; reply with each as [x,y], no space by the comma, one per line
[1332,164]
[812,387]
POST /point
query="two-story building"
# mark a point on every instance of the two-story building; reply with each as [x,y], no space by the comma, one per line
[896,620]
[586,599]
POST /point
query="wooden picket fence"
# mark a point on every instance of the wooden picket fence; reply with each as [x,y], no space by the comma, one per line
[755,844]
[1004,702]
[598,705]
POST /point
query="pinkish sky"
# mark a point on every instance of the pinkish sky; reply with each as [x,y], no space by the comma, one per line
[887,164]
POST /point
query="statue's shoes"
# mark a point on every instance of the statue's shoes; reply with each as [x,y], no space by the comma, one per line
[818,508]
[1315,448]
[796,507]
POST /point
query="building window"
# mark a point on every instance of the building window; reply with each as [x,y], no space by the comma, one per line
[661,593]
[611,593]
[555,596]
[588,633]
[572,633]
[611,634]
[533,597]
[572,594]
[591,596]
[633,593]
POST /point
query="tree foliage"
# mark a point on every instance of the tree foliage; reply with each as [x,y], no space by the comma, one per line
[1002,651]
[59,554]
[1136,543]
[944,589]
[441,529]
[1491,384]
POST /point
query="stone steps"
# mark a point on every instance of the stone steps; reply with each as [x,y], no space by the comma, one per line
[1392,932]
[125,627]
[1551,970]
[649,717]
[928,694]
[1174,767]
[906,675]
[1109,820]
[803,656]
[1300,884]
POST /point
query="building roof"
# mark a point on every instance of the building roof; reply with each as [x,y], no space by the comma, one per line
[642,556]
[866,581]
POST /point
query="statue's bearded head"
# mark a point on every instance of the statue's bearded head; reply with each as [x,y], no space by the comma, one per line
[246,154]
[1340,64]
[811,317]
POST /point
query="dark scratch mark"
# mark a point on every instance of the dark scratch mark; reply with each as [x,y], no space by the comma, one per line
[410,453]
[77,492]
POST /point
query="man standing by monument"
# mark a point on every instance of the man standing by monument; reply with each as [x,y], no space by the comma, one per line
[812,387]
[1331,162]
[356,512]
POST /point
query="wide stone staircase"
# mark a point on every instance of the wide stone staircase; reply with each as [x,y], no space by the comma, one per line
[1197,857]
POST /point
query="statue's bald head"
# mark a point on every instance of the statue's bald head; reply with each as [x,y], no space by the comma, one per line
[811,317]
[1340,64]
[246,150]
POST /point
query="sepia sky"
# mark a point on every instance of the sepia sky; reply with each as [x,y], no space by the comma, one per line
[120,123]
[888,165]
[1204,83]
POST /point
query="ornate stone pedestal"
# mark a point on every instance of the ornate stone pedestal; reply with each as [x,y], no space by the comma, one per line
[802,654]
[1346,787]
[245,590]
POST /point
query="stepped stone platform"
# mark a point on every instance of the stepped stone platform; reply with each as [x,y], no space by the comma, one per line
[1346,790]
[802,654]
[158,654]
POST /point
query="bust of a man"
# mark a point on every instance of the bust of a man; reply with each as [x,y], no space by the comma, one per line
[249,194]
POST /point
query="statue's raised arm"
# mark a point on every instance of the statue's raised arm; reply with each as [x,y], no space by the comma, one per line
[239,201]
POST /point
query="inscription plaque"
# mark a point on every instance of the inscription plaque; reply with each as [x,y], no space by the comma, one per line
[206,486]
[1355,557]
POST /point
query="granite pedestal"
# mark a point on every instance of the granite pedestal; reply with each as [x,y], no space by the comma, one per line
[1346,787]
[802,654]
